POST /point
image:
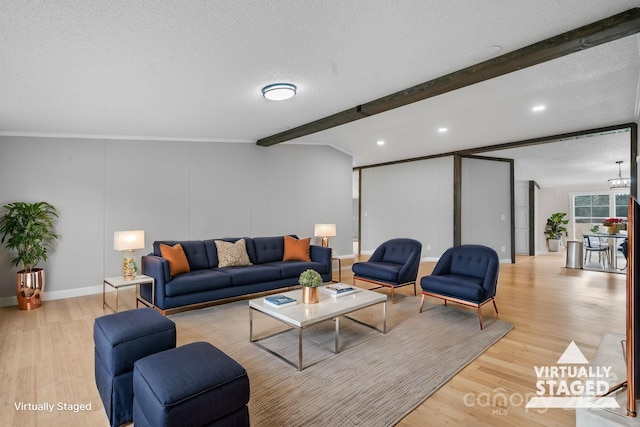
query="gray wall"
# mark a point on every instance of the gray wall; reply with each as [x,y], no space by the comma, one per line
[170,189]
[486,205]
[414,200]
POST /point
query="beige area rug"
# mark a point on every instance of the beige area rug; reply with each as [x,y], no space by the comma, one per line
[375,379]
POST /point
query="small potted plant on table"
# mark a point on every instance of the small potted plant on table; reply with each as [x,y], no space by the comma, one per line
[310,280]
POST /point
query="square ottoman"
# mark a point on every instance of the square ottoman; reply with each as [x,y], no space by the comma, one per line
[121,339]
[193,385]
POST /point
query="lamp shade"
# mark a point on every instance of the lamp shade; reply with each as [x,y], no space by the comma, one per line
[325,230]
[128,240]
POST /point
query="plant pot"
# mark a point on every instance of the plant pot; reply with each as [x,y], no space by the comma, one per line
[309,295]
[30,287]
[554,245]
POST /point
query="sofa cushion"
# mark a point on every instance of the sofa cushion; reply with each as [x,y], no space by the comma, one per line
[251,274]
[468,263]
[176,257]
[232,254]
[295,268]
[296,250]
[385,271]
[193,249]
[268,249]
[465,287]
[397,251]
[197,281]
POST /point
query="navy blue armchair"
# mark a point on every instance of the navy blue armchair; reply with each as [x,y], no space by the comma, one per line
[393,264]
[466,274]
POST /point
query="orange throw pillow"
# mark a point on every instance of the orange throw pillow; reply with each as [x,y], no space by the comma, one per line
[296,250]
[178,263]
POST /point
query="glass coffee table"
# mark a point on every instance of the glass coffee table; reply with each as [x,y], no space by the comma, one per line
[301,316]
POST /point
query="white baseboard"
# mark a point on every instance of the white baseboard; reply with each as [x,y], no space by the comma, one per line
[68,293]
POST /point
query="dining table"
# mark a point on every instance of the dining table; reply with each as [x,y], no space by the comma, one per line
[613,241]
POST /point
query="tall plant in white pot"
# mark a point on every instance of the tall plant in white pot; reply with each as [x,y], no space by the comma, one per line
[555,229]
[27,231]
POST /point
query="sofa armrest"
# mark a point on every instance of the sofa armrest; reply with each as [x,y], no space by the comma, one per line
[409,272]
[158,268]
[322,255]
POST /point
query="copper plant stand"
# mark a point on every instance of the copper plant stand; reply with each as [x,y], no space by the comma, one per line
[30,286]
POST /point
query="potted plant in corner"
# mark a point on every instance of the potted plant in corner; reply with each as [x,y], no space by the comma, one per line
[310,280]
[27,231]
[554,230]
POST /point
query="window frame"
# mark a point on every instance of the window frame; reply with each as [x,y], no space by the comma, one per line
[612,205]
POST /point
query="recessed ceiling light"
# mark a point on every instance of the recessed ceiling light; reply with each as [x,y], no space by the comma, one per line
[279,91]
[538,108]
[443,130]
[380,142]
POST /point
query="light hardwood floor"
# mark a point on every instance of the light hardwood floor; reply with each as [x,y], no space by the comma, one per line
[46,355]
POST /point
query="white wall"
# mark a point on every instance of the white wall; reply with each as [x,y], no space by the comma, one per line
[172,190]
[556,199]
[413,200]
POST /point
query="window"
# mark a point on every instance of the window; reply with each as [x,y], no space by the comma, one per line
[592,209]
[622,205]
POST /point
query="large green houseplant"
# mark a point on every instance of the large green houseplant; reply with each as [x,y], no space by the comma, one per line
[555,229]
[27,231]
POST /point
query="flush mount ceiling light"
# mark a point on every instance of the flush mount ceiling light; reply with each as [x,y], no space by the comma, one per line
[279,91]
[538,108]
[619,182]
[380,142]
[443,130]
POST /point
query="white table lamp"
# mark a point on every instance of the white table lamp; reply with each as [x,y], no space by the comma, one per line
[325,231]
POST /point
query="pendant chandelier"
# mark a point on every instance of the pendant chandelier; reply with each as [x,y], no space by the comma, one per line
[619,182]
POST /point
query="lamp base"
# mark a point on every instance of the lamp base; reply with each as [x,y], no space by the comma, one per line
[129,267]
[325,242]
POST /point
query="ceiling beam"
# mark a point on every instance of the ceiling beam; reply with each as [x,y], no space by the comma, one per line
[606,30]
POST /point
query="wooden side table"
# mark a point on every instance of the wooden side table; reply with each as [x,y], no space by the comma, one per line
[118,282]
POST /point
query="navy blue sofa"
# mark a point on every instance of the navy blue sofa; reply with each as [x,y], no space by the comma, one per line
[206,282]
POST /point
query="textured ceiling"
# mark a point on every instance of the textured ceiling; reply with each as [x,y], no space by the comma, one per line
[192,70]
[580,161]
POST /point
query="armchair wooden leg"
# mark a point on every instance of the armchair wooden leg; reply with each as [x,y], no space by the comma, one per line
[480,316]
[495,306]
[421,303]
[393,295]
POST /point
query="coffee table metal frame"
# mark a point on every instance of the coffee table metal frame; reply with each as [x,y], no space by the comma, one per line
[301,316]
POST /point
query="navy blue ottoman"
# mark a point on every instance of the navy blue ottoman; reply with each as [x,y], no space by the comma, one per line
[193,385]
[121,339]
